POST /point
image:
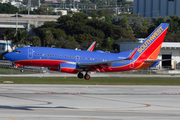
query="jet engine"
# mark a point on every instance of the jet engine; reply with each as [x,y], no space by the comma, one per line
[66,67]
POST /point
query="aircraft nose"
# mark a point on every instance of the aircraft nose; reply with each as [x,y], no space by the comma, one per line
[7,56]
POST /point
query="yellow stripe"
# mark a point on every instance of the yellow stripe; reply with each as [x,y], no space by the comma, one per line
[155,50]
[12,118]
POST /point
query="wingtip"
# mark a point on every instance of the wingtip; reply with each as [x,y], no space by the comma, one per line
[92,46]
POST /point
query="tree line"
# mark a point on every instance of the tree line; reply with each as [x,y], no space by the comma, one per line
[71,32]
[141,27]
[77,31]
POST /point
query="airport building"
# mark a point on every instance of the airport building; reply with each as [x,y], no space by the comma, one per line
[169,50]
[5,46]
[155,8]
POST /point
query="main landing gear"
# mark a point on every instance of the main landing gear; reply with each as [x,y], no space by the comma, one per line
[86,76]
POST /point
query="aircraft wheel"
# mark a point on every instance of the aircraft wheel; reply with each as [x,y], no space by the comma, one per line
[87,77]
[22,70]
[80,75]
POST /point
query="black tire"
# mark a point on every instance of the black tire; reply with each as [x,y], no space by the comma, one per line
[22,70]
[87,77]
[80,75]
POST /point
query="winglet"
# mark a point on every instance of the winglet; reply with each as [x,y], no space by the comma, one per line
[131,55]
[92,46]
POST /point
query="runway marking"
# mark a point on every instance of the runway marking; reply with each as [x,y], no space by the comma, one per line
[12,118]
[45,92]
[73,93]
[172,93]
[45,102]
[146,105]
[79,94]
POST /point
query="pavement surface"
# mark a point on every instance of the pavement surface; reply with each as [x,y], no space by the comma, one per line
[89,102]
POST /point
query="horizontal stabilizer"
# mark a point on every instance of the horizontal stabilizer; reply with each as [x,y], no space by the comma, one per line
[157,60]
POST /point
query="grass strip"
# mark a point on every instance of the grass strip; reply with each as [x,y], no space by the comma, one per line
[95,81]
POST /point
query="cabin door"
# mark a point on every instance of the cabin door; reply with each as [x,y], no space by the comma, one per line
[30,53]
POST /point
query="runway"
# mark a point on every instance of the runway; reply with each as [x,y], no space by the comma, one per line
[89,102]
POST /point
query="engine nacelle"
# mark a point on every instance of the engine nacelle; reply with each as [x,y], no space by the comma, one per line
[66,67]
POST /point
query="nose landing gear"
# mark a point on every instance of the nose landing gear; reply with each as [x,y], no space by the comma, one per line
[22,70]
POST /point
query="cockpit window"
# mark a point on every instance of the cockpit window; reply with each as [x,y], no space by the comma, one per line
[16,51]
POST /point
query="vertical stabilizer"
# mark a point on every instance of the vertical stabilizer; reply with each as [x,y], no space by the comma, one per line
[150,48]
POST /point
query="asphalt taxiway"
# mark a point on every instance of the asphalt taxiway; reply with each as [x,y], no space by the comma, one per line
[89,102]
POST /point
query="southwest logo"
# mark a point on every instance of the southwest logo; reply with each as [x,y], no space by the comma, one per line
[150,40]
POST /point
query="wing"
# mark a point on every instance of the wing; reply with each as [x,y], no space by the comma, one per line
[92,46]
[98,66]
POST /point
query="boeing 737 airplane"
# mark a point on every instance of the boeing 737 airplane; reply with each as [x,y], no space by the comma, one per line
[79,61]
